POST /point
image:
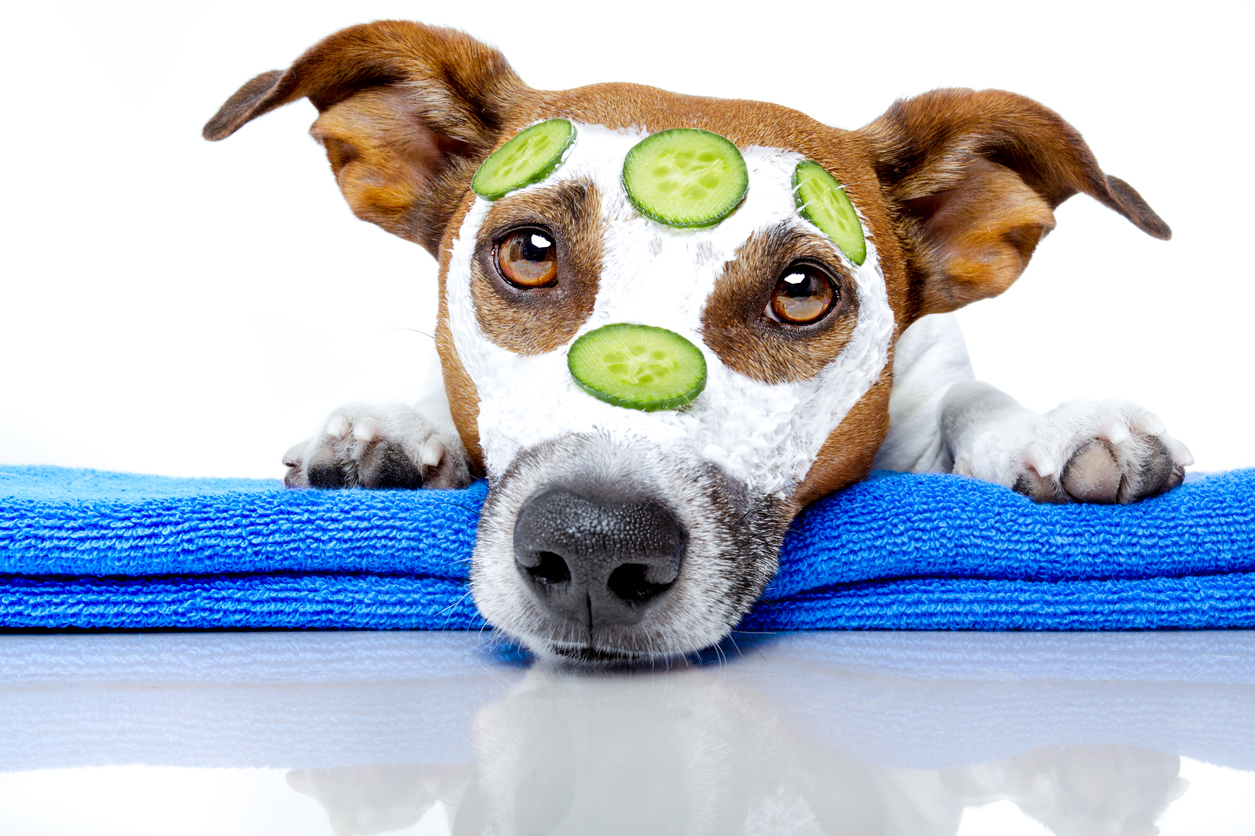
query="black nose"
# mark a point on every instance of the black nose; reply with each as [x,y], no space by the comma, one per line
[597,561]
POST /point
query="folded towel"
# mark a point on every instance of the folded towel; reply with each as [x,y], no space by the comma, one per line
[90,550]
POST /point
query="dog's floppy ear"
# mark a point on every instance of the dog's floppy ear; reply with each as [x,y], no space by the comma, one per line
[406,112]
[975,177]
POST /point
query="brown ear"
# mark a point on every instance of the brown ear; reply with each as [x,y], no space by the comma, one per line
[406,113]
[976,177]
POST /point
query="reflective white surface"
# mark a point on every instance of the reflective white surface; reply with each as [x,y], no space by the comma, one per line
[815,733]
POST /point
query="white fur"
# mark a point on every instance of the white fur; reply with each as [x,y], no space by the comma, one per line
[929,357]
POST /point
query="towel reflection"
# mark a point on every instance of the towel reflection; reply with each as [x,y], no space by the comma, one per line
[706,751]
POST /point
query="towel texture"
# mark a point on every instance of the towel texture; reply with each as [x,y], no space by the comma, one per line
[91,550]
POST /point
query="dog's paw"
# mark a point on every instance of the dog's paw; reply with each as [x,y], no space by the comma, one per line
[379,446]
[1111,451]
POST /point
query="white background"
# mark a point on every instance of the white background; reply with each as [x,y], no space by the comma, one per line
[175,306]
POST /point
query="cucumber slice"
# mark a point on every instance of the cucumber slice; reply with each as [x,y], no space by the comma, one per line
[685,177]
[822,201]
[638,366]
[528,158]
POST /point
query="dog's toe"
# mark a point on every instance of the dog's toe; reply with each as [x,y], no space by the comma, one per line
[294,461]
[386,465]
[1093,474]
[1155,472]
[323,469]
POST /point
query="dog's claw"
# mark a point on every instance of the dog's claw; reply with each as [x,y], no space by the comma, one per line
[295,453]
[1180,453]
[433,453]
[1038,457]
[366,430]
[337,427]
[1148,423]
[1113,430]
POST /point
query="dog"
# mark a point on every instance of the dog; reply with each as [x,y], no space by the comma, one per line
[611,533]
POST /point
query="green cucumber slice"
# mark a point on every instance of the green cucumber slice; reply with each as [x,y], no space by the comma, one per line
[685,177]
[822,201]
[528,158]
[638,366]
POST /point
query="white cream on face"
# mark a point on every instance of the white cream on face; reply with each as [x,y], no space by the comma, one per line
[764,435]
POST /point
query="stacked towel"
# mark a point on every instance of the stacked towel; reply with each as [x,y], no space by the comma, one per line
[90,550]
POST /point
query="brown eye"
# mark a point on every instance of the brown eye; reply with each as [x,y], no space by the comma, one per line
[804,294]
[528,258]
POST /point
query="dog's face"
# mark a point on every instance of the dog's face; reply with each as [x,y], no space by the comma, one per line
[699,496]
[612,532]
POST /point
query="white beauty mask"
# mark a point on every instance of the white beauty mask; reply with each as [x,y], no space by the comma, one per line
[765,436]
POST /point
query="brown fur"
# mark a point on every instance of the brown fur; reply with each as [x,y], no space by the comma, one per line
[460,389]
[975,177]
[957,188]
[733,324]
[392,171]
[541,319]
[847,454]
[407,114]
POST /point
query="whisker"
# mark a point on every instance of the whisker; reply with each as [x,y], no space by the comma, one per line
[449,609]
[400,328]
[467,508]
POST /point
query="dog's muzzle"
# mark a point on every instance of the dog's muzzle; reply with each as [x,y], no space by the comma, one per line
[599,548]
[596,561]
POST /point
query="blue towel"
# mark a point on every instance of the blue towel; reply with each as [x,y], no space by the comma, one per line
[90,550]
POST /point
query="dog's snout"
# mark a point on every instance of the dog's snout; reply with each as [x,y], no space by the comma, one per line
[597,561]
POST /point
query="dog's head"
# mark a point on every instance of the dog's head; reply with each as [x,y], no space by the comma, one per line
[613,532]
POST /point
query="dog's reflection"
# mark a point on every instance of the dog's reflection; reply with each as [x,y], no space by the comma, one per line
[1079,790]
[700,752]
[381,798]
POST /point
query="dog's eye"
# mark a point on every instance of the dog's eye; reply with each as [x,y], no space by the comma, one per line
[805,293]
[528,258]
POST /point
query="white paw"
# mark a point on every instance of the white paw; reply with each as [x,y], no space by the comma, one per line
[378,446]
[1111,451]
